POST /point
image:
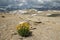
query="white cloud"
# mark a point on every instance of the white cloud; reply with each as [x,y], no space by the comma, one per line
[23,0]
[40,1]
[21,4]
[2,9]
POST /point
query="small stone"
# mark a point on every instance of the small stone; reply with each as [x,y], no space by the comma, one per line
[21,38]
[32,28]
[38,22]
[3,16]
[15,34]
[33,14]
[48,14]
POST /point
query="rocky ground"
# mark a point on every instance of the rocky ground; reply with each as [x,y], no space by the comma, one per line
[45,27]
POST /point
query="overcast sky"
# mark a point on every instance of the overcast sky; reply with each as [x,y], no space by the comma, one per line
[33,3]
[6,2]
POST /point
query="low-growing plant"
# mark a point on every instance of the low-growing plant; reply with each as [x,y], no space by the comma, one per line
[23,29]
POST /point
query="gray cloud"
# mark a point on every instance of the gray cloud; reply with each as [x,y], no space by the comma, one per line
[31,3]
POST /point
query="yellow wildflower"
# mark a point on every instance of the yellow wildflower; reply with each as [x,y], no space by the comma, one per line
[22,24]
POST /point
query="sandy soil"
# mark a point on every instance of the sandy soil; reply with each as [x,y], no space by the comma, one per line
[48,29]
